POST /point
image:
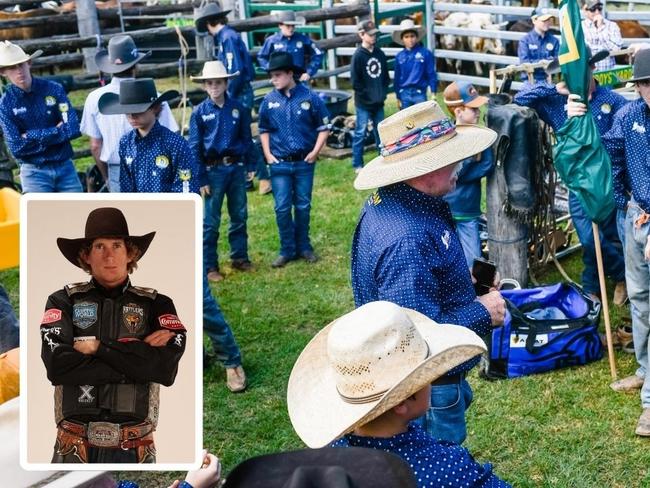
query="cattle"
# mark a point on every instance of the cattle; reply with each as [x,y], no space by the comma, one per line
[454,42]
[486,45]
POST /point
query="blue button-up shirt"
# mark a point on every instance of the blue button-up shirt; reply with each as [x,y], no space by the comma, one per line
[233,53]
[293,121]
[627,144]
[533,48]
[465,200]
[216,131]
[415,68]
[406,251]
[298,45]
[29,122]
[160,162]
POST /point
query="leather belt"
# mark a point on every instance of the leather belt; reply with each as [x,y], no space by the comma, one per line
[224,161]
[292,158]
[454,379]
[107,434]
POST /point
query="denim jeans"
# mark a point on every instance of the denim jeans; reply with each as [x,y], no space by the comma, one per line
[609,242]
[359,137]
[229,182]
[620,226]
[470,239]
[113,178]
[50,178]
[215,326]
[9,331]
[445,419]
[255,154]
[292,185]
[411,96]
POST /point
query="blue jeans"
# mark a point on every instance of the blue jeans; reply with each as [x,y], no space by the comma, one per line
[50,178]
[470,239]
[411,96]
[9,331]
[612,250]
[247,98]
[215,326]
[637,275]
[113,178]
[292,185]
[445,419]
[229,182]
[358,139]
[620,226]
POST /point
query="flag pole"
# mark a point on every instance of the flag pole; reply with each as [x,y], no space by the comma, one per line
[605,303]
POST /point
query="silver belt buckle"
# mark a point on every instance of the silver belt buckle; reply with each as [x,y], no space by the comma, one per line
[103,434]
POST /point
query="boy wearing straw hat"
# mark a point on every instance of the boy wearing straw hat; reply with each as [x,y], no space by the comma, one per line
[366,376]
[300,46]
[220,136]
[405,248]
[38,123]
[415,68]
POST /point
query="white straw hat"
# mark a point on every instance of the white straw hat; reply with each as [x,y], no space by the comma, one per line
[11,54]
[405,26]
[213,70]
[418,140]
[366,362]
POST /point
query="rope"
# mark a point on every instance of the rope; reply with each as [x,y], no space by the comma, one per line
[182,75]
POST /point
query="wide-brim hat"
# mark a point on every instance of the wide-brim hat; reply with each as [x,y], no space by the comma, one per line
[213,70]
[405,26]
[136,96]
[206,13]
[280,60]
[353,467]
[121,55]
[11,54]
[418,140]
[641,70]
[365,363]
[103,222]
[288,17]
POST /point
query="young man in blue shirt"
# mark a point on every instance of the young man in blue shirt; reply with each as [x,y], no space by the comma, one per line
[538,44]
[303,50]
[294,125]
[38,123]
[415,68]
[220,135]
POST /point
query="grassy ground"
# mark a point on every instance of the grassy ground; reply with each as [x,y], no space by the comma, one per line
[564,429]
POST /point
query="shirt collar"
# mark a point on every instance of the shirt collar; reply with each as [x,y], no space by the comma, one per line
[154,130]
[413,198]
[113,292]
[292,91]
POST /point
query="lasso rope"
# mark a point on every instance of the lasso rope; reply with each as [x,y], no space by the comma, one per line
[182,75]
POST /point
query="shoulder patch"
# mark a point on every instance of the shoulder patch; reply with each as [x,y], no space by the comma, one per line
[144,292]
[171,321]
[80,287]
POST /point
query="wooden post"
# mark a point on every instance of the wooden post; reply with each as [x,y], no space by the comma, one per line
[88,26]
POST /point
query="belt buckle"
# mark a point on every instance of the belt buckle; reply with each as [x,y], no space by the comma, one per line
[228,161]
[103,434]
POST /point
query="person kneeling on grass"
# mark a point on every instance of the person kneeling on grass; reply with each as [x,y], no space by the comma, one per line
[367,375]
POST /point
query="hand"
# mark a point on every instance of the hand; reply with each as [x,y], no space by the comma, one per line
[205,190]
[647,250]
[598,20]
[207,476]
[311,157]
[159,338]
[271,159]
[305,77]
[575,108]
[562,89]
[86,347]
[495,305]
[496,282]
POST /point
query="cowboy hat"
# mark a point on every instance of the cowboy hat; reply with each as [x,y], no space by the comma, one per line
[349,467]
[418,140]
[213,70]
[641,66]
[11,54]
[121,55]
[103,222]
[407,25]
[136,96]
[210,11]
[365,363]
[281,60]
[288,17]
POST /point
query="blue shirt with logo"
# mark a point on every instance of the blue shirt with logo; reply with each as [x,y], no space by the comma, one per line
[298,45]
[29,122]
[533,48]
[415,68]
[233,53]
[160,162]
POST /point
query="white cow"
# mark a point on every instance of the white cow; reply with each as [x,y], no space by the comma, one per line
[488,45]
[454,42]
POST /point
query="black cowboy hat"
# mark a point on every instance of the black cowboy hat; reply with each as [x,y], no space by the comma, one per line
[121,55]
[280,60]
[641,66]
[210,11]
[135,96]
[103,222]
[339,467]
[554,66]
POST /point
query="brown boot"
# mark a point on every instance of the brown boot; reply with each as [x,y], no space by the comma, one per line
[265,187]
[630,383]
[215,276]
[236,379]
[643,426]
[620,293]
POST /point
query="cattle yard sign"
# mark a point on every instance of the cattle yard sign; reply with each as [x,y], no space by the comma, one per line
[614,77]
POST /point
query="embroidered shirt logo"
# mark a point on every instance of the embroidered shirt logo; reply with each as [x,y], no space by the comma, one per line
[208,117]
[20,110]
[84,314]
[605,108]
[85,396]
[128,160]
[133,317]
[299,44]
[162,161]
[184,174]
[51,315]
[636,127]
[373,68]
[305,105]
[235,113]
[374,199]
[50,101]
[274,104]
[445,237]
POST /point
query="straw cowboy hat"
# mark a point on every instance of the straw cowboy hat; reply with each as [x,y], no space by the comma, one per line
[103,222]
[121,55]
[213,70]
[365,363]
[407,25]
[350,467]
[12,54]
[136,96]
[210,11]
[418,140]
[288,17]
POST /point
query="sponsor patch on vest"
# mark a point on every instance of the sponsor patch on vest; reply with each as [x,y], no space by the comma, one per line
[84,314]
[51,315]
[170,321]
[133,317]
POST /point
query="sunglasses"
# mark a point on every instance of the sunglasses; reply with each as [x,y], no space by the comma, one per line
[596,8]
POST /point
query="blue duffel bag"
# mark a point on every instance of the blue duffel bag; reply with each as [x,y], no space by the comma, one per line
[546,328]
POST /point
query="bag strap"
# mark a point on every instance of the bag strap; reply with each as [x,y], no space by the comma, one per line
[518,314]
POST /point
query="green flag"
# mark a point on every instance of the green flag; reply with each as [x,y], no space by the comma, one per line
[580,158]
